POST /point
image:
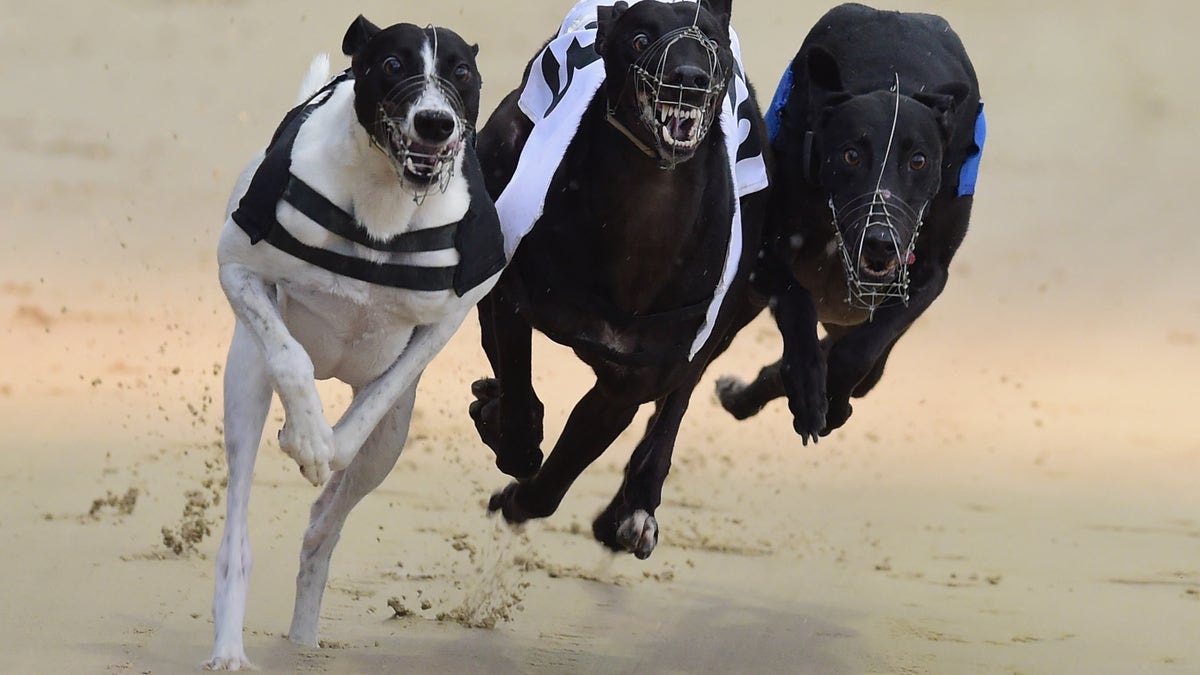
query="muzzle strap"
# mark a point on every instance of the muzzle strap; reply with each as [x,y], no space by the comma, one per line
[637,142]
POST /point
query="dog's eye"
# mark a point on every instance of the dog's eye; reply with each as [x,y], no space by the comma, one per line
[851,157]
[391,65]
[640,42]
[462,73]
[917,161]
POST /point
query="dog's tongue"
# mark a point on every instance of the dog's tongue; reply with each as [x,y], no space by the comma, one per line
[912,258]
[680,128]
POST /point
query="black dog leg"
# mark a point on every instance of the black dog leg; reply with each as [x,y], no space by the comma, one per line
[628,523]
[872,378]
[593,425]
[507,412]
[746,399]
[802,368]
[864,349]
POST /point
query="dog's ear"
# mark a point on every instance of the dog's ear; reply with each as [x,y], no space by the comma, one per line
[605,18]
[722,21]
[825,88]
[357,35]
[721,10]
[475,49]
[944,99]
[824,76]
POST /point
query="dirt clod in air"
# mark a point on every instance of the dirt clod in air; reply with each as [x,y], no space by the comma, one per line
[194,524]
[121,505]
[399,608]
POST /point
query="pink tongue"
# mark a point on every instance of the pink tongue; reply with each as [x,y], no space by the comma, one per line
[679,128]
[912,258]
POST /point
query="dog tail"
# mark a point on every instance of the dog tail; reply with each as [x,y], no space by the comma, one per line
[315,78]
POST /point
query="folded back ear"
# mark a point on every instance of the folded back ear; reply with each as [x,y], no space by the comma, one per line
[721,11]
[944,99]
[357,35]
[824,75]
[719,7]
[605,18]
[722,21]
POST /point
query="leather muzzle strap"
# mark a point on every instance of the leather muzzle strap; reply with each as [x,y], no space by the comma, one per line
[637,142]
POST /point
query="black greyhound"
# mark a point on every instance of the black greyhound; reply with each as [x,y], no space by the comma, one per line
[877,130]
[622,263]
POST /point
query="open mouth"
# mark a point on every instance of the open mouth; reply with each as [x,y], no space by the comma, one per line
[679,126]
[875,271]
[423,163]
[420,163]
[878,271]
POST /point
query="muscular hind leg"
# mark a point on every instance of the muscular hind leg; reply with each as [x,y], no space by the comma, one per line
[745,399]
[341,494]
[247,399]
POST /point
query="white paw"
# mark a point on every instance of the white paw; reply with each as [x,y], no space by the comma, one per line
[308,439]
[229,659]
[639,534]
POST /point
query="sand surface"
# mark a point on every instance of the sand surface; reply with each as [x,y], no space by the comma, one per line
[1021,494]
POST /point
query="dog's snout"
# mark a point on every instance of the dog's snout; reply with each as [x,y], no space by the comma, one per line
[433,125]
[690,76]
[878,247]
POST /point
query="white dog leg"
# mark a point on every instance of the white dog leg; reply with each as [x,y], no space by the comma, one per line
[381,395]
[247,398]
[306,435]
[368,469]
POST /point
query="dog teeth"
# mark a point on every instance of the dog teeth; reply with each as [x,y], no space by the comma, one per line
[666,112]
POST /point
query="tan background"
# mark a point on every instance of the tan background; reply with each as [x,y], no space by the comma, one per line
[1019,495]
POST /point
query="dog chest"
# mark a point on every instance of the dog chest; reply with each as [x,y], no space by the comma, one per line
[354,334]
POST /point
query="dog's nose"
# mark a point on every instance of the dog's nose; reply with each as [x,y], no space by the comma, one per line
[691,76]
[879,249]
[433,125]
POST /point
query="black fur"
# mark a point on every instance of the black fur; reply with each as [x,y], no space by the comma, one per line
[840,102]
[620,267]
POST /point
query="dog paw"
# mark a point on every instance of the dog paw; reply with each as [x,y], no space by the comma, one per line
[638,534]
[308,439]
[485,412]
[505,501]
[731,392]
[803,373]
[839,412]
[809,409]
[229,659]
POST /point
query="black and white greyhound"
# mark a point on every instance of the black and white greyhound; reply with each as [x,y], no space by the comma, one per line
[353,248]
[612,163]
[877,131]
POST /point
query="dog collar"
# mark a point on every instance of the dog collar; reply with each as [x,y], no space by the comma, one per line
[477,237]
